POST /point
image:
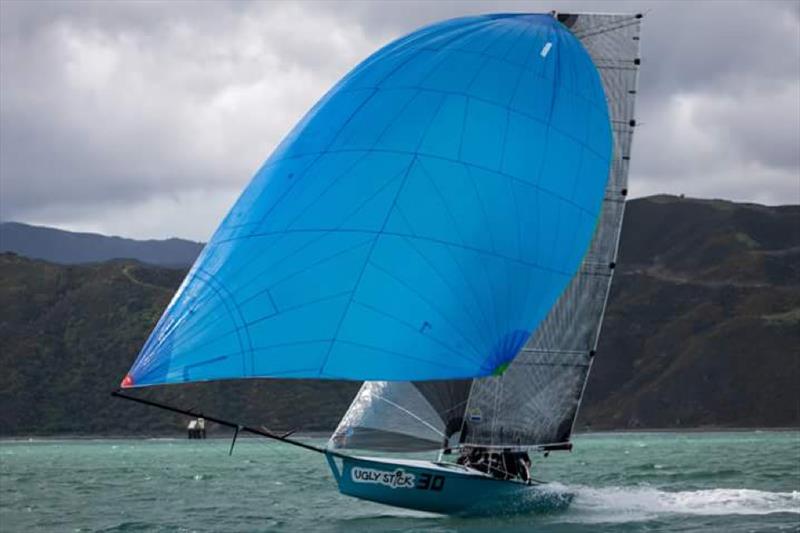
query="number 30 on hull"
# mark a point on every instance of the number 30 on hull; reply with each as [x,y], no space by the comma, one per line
[443,488]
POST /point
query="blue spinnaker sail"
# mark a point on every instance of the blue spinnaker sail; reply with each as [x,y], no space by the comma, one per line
[417,224]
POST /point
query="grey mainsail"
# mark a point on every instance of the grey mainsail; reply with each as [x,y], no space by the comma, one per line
[535,401]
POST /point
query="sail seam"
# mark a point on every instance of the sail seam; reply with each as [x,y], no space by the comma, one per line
[364,266]
[412,415]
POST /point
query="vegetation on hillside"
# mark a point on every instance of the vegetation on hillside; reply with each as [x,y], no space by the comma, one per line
[702,330]
[703,326]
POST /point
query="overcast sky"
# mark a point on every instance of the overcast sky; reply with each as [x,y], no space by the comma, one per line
[147,119]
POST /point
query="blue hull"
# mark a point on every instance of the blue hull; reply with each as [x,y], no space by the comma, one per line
[440,487]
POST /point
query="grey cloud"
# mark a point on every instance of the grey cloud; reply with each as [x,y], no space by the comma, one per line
[100,110]
[159,112]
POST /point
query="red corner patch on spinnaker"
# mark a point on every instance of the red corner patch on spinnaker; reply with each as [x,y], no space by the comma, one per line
[127,382]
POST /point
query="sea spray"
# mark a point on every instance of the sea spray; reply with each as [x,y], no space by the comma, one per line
[626,504]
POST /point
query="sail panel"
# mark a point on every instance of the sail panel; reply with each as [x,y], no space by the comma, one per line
[401,416]
[535,401]
[418,224]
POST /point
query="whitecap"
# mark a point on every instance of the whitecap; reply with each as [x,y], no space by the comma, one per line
[628,504]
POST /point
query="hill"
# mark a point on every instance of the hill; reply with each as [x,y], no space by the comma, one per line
[67,334]
[703,324]
[66,247]
[701,330]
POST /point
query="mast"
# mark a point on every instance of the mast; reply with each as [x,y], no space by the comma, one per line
[539,396]
[535,401]
[625,122]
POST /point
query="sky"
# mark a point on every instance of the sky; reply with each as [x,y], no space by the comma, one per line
[147,119]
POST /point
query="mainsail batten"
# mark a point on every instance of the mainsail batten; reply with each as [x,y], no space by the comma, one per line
[534,403]
[390,236]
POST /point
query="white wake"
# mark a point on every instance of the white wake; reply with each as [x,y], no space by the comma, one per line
[625,504]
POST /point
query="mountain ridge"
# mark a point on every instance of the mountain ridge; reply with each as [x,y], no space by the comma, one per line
[701,330]
[67,247]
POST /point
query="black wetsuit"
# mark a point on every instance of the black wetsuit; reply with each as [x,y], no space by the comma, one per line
[511,464]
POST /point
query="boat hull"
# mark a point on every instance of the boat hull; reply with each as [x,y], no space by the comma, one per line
[439,487]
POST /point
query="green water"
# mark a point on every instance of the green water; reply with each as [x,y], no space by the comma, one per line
[748,481]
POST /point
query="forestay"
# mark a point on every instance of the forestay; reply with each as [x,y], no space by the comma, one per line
[419,223]
[535,402]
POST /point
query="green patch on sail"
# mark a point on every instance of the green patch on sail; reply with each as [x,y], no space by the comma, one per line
[501,368]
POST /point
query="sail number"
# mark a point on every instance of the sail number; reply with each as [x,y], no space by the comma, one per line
[429,482]
[399,479]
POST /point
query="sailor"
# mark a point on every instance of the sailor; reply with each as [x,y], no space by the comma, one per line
[511,464]
[476,458]
[514,465]
[497,465]
[524,466]
[463,457]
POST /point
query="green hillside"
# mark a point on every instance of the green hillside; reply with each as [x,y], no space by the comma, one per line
[69,333]
[702,329]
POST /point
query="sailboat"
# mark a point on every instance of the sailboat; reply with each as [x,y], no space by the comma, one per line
[443,226]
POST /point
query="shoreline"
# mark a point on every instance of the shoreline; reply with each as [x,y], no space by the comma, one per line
[325,435]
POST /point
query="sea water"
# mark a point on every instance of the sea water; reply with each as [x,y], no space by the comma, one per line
[690,482]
